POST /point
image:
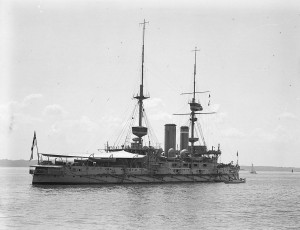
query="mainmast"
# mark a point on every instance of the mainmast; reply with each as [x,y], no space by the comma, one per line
[139,130]
[142,80]
[194,107]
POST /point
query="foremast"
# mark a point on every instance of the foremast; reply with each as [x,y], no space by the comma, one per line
[140,130]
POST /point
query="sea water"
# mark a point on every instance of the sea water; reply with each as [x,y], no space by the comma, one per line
[268,200]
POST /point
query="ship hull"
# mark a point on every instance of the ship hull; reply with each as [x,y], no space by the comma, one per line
[128,179]
[166,172]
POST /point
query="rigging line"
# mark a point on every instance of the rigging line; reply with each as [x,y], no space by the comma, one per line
[122,133]
[182,120]
[201,135]
[152,132]
[214,136]
[201,132]
[151,135]
[129,133]
[148,125]
[209,129]
[125,115]
[132,120]
[204,128]
[123,129]
[198,131]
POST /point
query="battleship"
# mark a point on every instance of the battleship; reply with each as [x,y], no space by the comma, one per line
[137,161]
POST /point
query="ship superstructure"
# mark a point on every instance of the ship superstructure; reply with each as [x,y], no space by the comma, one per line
[137,163]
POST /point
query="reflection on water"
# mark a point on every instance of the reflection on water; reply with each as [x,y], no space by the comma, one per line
[269,200]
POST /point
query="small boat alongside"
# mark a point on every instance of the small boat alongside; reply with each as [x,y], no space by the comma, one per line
[235,181]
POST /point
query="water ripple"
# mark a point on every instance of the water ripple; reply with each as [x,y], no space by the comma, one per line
[268,200]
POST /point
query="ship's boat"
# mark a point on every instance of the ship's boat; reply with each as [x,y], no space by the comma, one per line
[136,162]
[235,181]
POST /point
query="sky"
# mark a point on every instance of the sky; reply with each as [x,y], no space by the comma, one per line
[69,70]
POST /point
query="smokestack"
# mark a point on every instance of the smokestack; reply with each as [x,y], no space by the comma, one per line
[184,137]
[170,137]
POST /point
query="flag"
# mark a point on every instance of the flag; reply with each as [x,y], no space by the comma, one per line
[34,143]
[237,154]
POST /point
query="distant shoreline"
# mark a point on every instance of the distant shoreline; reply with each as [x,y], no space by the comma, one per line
[17,163]
[27,163]
[271,168]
